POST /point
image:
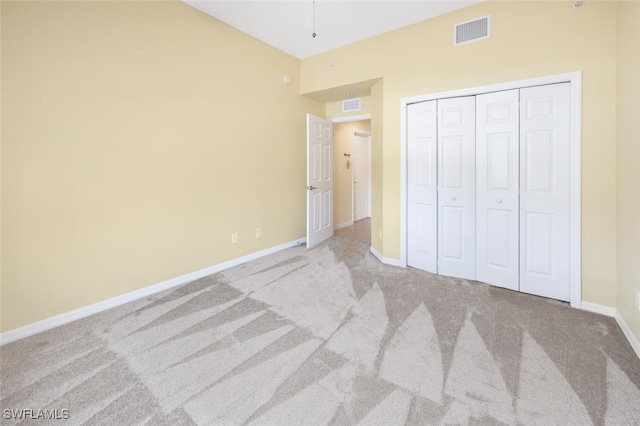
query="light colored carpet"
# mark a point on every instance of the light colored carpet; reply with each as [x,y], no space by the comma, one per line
[329,336]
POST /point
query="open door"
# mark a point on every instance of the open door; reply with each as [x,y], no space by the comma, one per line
[319,180]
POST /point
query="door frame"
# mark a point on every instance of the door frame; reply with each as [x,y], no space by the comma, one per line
[353,137]
[575,79]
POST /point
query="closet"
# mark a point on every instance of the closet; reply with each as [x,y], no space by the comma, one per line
[489,186]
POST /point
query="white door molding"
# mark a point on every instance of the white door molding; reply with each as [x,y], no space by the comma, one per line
[575,79]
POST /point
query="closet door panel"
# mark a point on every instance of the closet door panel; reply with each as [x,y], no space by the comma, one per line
[456,177]
[545,185]
[422,217]
[497,166]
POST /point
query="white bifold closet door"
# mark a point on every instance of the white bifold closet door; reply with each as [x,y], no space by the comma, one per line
[497,167]
[545,190]
[457,183]
[422,192]
[489,188]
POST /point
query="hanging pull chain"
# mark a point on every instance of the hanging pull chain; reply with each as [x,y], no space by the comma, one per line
[313,34]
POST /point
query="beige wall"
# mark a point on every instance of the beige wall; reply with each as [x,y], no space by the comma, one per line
[628,161]
[529,39]
[377,173]
[137,137]
[343,177]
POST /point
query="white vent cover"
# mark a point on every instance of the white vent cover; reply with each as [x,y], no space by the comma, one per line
[351,105]
[477,29]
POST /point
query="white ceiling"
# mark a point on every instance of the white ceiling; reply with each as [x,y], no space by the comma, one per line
[287,25]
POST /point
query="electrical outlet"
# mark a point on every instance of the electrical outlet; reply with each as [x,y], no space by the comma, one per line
[258,232]
[234,238]
[637,299]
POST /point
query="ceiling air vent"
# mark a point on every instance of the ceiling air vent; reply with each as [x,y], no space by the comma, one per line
[477,29]
[351,105]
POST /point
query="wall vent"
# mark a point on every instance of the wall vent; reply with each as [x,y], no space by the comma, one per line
[474,30]
[351,105]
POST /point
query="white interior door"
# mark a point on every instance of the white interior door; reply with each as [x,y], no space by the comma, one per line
[497,168]
[319,180]
[360,160]
[457,182]
[422,194]
[545,185]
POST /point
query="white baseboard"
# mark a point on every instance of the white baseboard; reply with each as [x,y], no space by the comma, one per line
[385,260]
[614,313]
[376,254]
[599,309]
[67,317]
[633,341]
[343,225]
